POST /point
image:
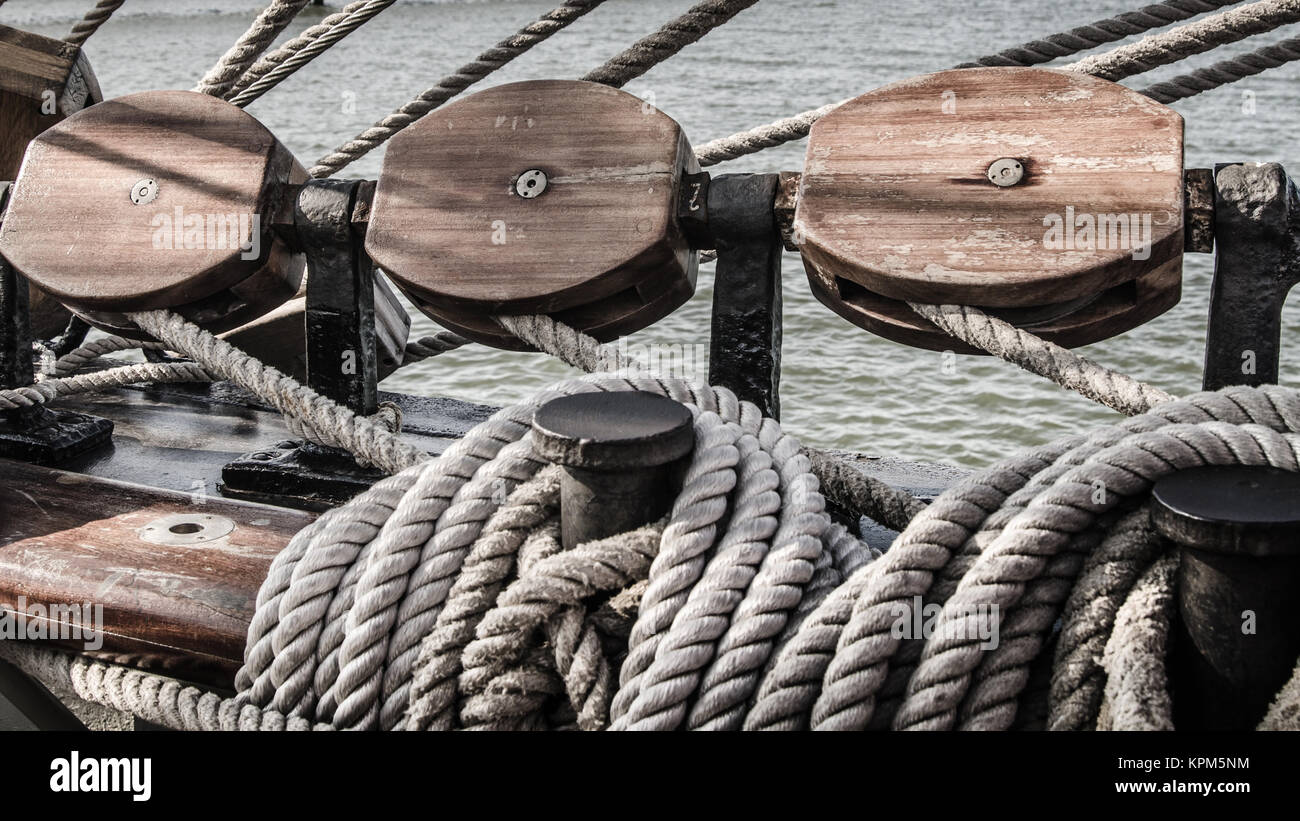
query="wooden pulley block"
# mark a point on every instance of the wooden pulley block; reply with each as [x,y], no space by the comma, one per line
[550,197]
[1049,198]
[42,80]
[163,199]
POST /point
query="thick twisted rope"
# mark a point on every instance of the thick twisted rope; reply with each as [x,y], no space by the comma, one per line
[90,351]
[90,24]
[735,628]
[305,53]
[675,35]
[260,34]
[1189,39]
[275,57]
[1069,370]
[1225,71]
[1063,502]
[1151,52]
[364,437]
[1089,617]
[453,84]
[1025,511]
[1087,37]
[47,390]
[1137,689]
[854,491]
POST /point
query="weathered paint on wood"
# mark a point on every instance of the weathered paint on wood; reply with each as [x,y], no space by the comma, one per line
[895,199]
[600,247]
[68,538]
[202,244]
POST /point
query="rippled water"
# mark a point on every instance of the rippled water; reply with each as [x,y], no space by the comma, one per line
[841,386]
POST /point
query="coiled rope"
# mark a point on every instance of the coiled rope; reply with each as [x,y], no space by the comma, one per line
[90,24]
[440,598]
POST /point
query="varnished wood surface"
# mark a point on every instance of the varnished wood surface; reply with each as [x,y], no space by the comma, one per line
[894,194]
[73,229]
[448,227]
[67,538]
[73,533]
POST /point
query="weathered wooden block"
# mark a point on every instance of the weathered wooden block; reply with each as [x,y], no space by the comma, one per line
[551,197]
[42,80]
[1079,238]
[163,199]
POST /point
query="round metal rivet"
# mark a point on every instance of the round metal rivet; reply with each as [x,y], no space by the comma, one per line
[531,183]
[144,191]
[1006,172]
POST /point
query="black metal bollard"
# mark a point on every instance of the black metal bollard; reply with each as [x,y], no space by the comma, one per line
[1238,530]
[621,452]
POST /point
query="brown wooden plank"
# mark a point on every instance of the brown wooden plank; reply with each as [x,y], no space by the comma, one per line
[69,538]
[894,194]
[31,63]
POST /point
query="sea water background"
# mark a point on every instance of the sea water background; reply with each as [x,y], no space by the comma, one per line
[841,387]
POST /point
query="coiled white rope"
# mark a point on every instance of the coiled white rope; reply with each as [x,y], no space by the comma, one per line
[778,620]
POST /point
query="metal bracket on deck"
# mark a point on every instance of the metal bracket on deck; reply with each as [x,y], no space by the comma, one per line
[736,215]
[1256,263]
[344,347]
[35,433]
[1236,527]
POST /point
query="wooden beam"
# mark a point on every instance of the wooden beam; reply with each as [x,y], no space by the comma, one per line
[176,574]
